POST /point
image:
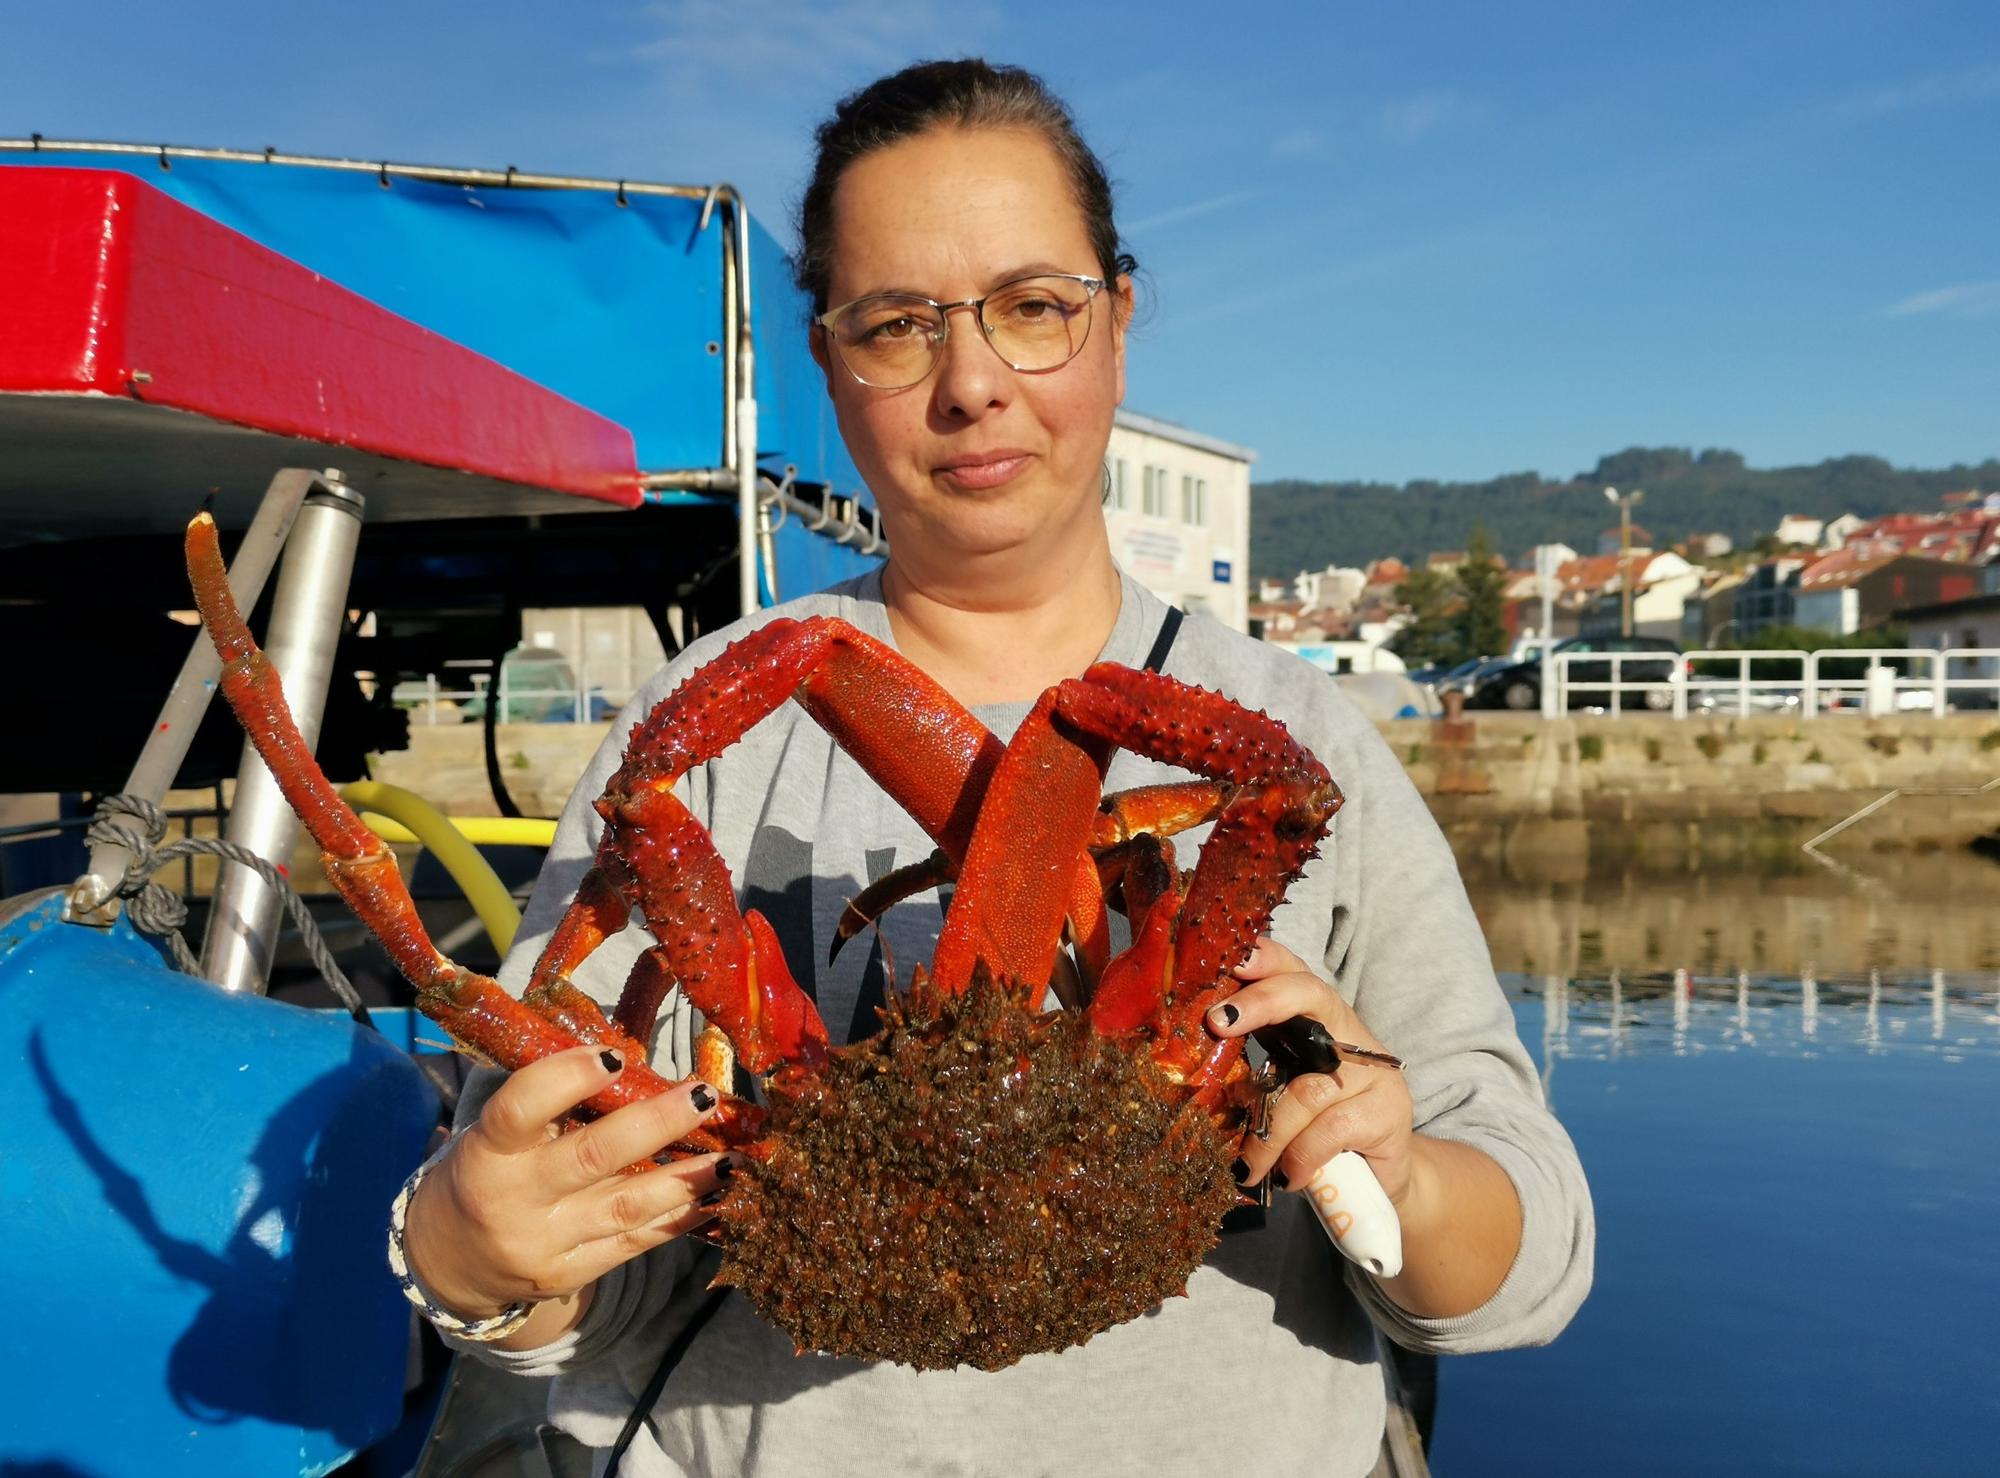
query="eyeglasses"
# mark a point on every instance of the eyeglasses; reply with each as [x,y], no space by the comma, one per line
[891,341]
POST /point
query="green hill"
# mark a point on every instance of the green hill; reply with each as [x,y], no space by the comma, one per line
[1295,525]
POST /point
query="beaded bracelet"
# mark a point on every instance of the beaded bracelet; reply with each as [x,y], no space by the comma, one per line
[496,1326]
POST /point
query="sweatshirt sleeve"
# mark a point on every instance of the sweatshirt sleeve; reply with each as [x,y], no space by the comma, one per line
[1410,955]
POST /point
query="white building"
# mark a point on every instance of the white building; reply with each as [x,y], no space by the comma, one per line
[1345,656]
[1179,515]
[1551,556]
[1662,584]
[1797,528]
[1973,622]
[1837,529]
[1335,588]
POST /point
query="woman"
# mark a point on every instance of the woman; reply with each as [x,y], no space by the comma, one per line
[950,182]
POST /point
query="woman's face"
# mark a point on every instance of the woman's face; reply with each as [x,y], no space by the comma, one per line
[977,459]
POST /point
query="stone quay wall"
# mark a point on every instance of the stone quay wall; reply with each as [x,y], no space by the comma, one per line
[1533,797]
[1544,797]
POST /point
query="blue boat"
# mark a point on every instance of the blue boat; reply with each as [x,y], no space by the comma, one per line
[436,395]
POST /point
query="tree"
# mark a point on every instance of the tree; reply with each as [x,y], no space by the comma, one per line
[1432,637]
[1481,617]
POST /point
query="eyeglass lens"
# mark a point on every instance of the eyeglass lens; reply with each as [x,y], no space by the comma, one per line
[891,341]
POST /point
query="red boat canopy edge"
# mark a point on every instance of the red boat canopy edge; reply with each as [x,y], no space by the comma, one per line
[109,287]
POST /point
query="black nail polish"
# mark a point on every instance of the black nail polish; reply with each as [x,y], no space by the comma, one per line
[703,1096]
[1279,1179]
[1241,1170]
[611,1060]
[724,1169]
[1229,1014]
[713,1198]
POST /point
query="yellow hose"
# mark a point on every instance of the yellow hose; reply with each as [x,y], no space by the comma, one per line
[398,815]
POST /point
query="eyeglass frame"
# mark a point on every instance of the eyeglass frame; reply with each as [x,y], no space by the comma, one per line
[1092,287]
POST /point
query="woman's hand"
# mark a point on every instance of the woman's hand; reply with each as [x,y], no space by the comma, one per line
[1363,1108]
[1460,1214]
[517,1210]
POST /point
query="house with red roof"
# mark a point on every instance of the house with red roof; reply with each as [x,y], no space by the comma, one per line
[1851,590]
[1661,585]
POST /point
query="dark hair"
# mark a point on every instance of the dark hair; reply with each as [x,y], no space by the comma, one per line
[966,93]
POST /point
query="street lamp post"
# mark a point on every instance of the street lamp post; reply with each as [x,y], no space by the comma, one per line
[1625,502]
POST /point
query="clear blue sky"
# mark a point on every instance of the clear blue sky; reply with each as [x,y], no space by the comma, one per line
[1383,241]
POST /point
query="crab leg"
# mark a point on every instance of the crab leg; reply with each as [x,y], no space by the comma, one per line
[1129,994]
[1274,801]
[598,911]
[1157,810]
[1265,830]
[475,1009]
[904,730]
[1017,882]
[865,907]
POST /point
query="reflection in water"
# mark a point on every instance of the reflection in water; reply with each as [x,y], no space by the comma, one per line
[1917,913]
[1682,1013]
[1774,1081]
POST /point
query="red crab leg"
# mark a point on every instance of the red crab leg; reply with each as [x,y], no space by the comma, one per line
[1088,924]
[1018,880]
[1128,997]
[598,911]
[1266,831]
[475,1009]
[865,907]
[905,731]
[1157,810]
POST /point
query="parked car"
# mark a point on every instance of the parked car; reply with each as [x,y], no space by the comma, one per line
[1467,677]
[1435,676]
[541,689]
[1722,698]
[1518,685]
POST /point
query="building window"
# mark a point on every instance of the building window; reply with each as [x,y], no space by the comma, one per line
[1194,501]
[1156,492]
[1121,483]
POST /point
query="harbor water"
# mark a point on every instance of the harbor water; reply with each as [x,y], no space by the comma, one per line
[1781,1085]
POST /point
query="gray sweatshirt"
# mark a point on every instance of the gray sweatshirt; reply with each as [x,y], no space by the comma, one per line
[1270,1365]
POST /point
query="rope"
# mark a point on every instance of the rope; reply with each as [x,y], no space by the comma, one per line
[157,909]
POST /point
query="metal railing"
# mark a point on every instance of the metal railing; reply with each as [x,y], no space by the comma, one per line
[1892,680]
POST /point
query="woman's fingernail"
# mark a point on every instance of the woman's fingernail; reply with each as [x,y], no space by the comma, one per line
[703,1097]
[713,1198]
[1226,1014]
[1279,1180]
[724,1168]
[1241,1170]
[611,1060]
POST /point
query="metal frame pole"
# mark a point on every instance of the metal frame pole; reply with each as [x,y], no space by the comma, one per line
[92,897]
[1624,567]
[307,613]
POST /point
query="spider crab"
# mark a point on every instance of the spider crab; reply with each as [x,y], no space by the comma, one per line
[981,1179]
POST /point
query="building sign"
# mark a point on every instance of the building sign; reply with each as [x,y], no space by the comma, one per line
[1219,571]
[1152,549]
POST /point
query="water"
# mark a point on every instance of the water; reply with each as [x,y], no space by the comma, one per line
[1782,1090]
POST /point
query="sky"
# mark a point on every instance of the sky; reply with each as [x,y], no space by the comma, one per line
[1422,240]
